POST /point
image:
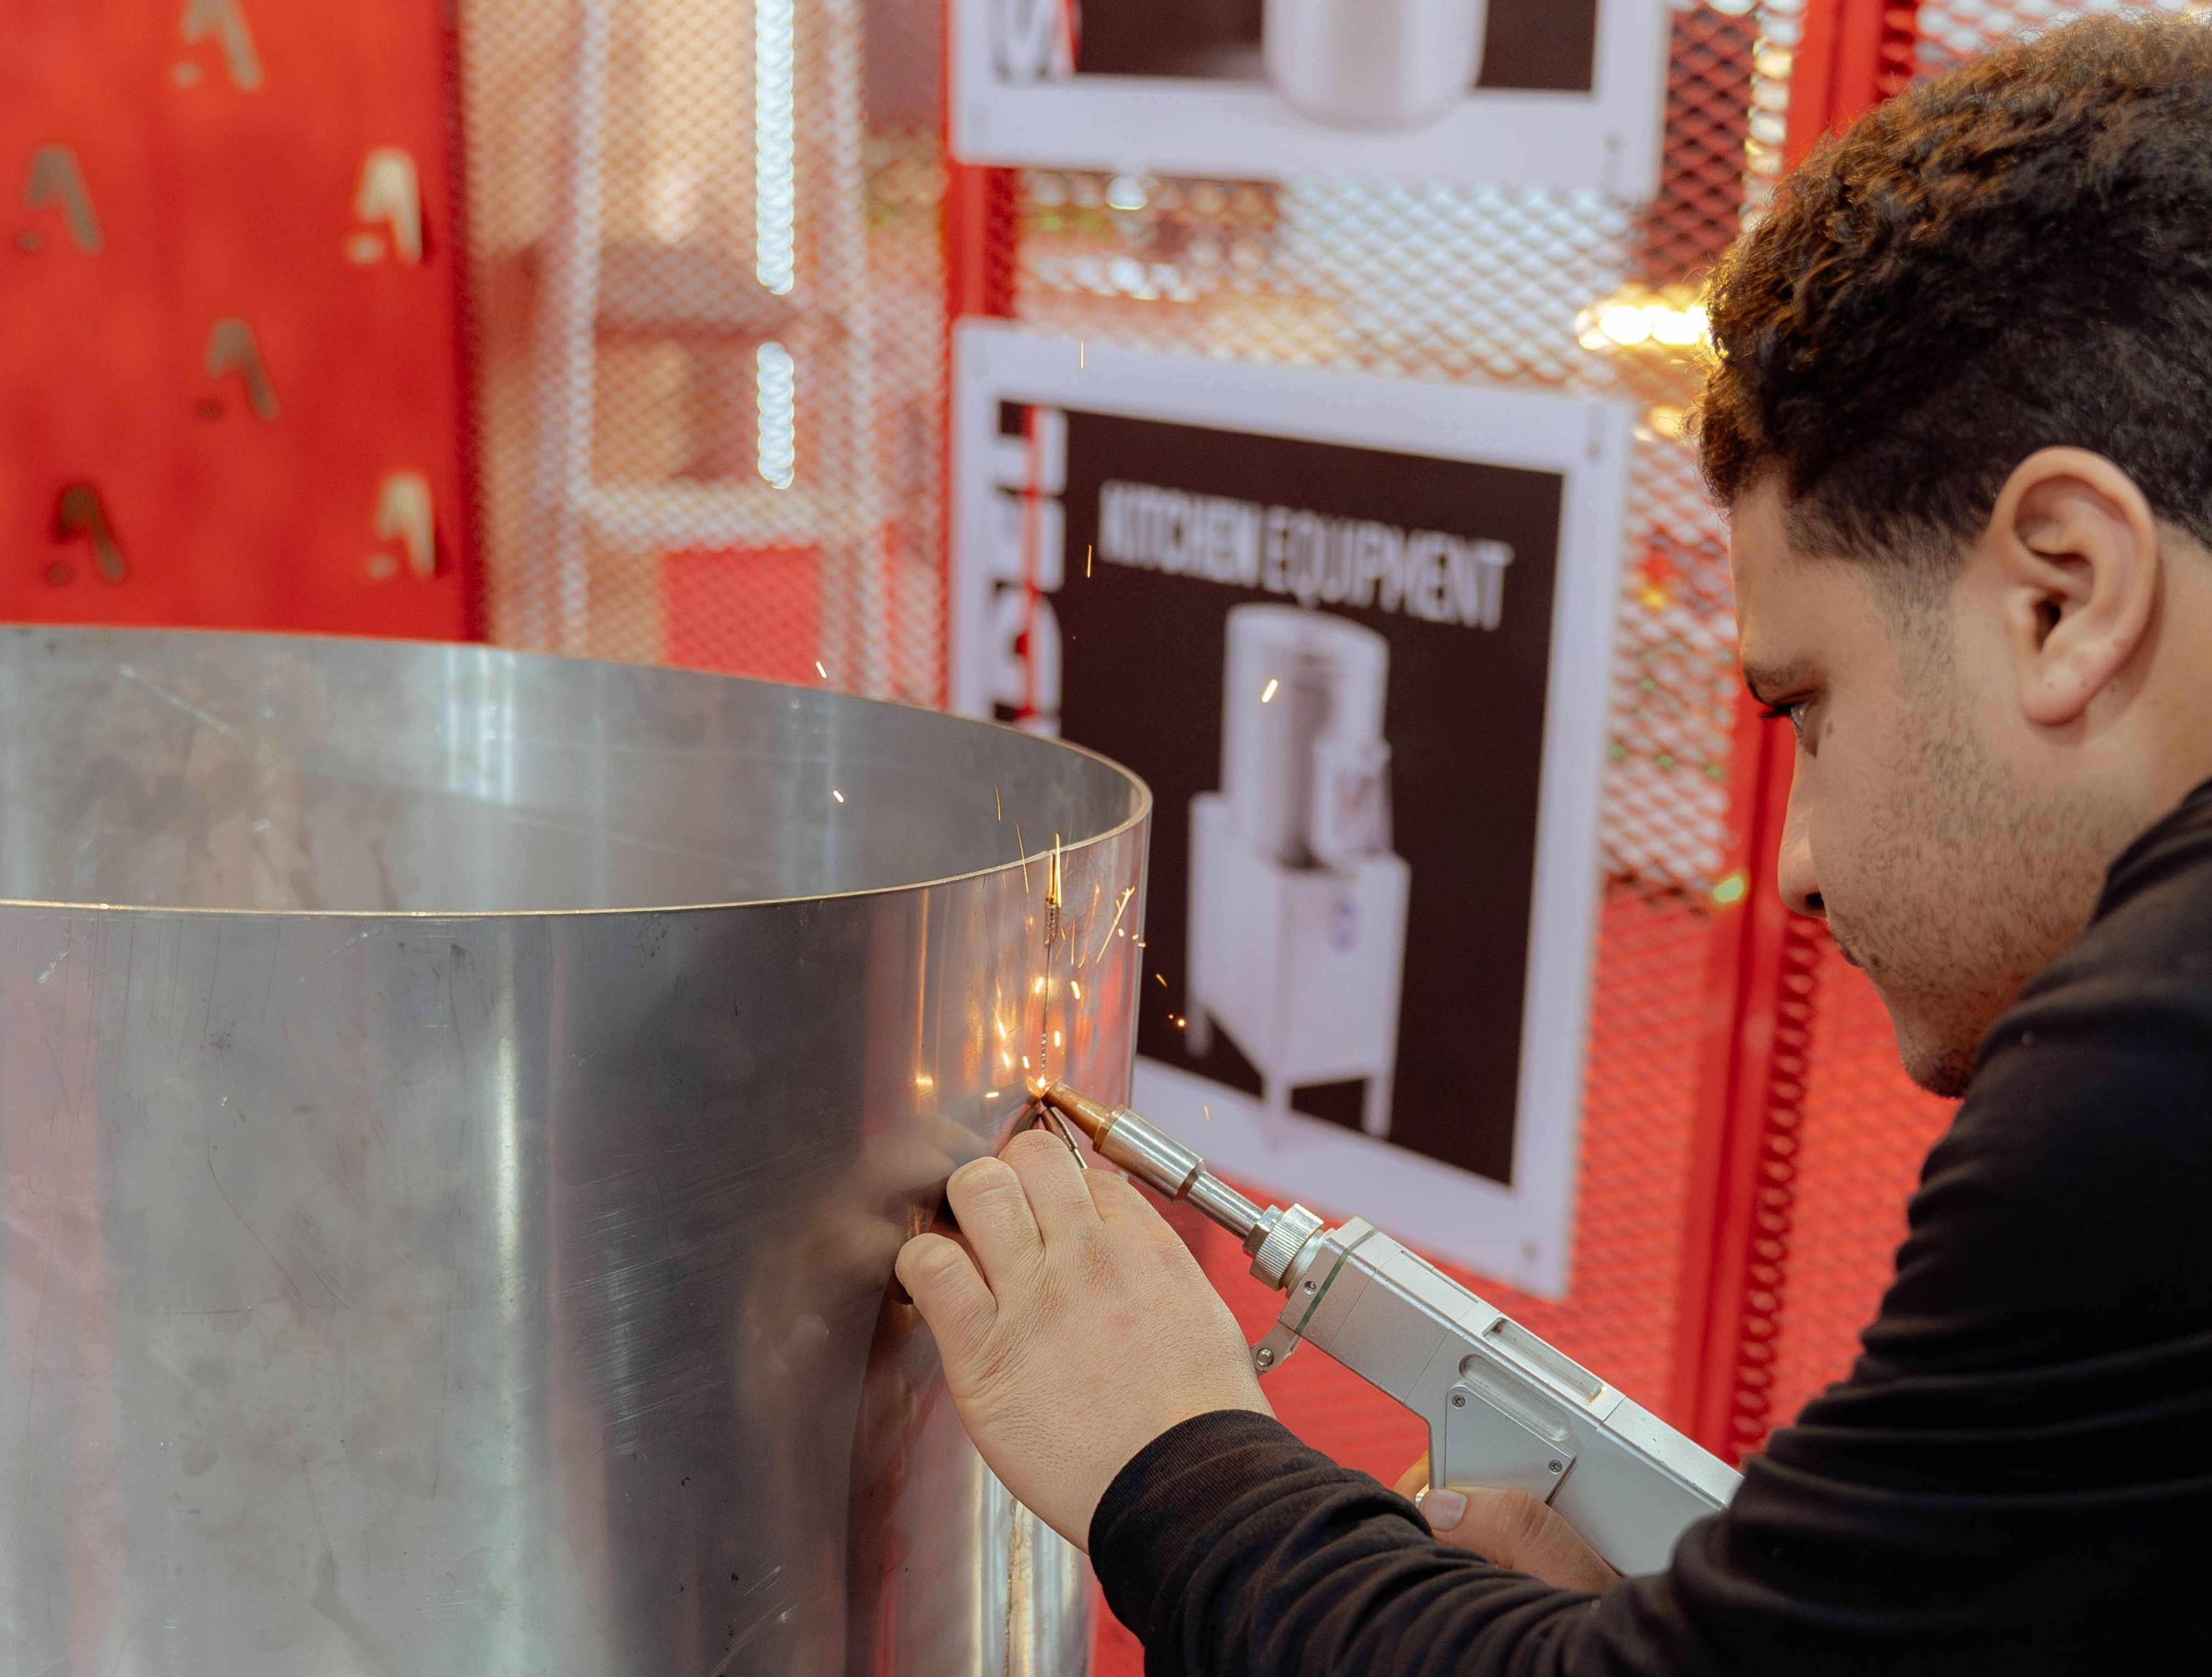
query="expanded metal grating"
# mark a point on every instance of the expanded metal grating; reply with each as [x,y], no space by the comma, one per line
[707,342]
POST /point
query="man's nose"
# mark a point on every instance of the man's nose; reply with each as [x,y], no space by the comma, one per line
[1800,885]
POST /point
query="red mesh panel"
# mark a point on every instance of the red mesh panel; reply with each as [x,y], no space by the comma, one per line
[745,612]
[1866,1129]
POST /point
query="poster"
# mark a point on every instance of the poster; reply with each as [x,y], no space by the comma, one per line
[1515,93]
[1355,633]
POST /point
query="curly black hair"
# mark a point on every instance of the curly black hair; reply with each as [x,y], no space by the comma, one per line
[2016,255]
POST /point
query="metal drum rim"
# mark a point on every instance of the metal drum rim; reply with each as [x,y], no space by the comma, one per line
[1138,815]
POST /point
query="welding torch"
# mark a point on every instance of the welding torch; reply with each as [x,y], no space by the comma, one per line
[1503,1407]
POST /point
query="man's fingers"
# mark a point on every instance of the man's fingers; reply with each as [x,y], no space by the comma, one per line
[1513,1529]
[947,1291]
[995,1214]
[1054,1181]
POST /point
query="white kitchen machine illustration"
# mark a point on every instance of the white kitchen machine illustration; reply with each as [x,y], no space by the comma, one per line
[1297,906]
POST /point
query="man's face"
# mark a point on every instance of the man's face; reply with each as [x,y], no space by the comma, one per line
[1947,861]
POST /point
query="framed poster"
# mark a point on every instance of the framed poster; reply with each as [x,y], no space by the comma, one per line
[1356,634]
[1515,93]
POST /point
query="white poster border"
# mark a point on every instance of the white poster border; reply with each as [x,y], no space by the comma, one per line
[1523,1234]
[1608,139]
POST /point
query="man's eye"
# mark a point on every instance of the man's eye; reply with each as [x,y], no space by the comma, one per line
[1793,712]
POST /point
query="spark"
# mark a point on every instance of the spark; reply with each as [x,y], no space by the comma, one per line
[990,1094]
[1128,892]
[1051,899]
[1055,1039]
[1207,1111]
[1022,850]
[1077,988]
[1025,1062]
[1087,559]
[998,803]
[819,670]
[1037,988]
[838,795]
[1267,692]
[1001,1024]
[1162,977]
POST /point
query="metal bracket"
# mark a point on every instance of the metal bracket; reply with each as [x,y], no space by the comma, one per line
[1273,1349]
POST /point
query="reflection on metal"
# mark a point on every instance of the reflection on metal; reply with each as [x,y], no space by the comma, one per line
[433,1243]
[389,192]
[55,177]
[231,348]
[80,510]
[226,21]
[403,514]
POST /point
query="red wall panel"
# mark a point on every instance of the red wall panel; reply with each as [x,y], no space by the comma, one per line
[221,145]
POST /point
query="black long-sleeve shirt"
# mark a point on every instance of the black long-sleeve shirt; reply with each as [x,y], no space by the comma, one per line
[2016,1479]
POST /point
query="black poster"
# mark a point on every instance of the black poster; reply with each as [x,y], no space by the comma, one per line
[1527,45]
[1330,663]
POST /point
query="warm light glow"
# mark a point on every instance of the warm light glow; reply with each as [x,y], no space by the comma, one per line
[1077,988]
[775,451]
[1055,1039]
[923,1080]
[1267,692]
[1671,318]
[1037,988]
[776,152]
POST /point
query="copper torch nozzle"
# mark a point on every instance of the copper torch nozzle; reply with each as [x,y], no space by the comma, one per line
[1079,1109]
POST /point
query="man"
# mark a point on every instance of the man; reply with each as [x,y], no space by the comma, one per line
[1959,420]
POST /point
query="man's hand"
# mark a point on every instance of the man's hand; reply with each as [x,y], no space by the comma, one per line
[1080,1331]
[1507,1528]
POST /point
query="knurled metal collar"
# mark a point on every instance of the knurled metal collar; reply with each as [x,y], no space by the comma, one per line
[1287,1236]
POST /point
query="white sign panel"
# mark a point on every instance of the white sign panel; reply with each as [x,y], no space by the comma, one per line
[1356,634]
[1515,93]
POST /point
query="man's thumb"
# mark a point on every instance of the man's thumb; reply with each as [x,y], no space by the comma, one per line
[1512,1530]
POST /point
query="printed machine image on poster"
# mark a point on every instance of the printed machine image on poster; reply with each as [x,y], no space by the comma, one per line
[1296,941]
[1510,92]
[1355,633]
[1374,64]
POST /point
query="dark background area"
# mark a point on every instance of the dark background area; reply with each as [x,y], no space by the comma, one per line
[1143,656]
[1547,45]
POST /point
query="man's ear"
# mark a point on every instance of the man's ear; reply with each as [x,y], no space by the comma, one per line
[2074,545]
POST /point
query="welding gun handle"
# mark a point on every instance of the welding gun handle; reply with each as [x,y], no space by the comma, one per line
[1503,1409]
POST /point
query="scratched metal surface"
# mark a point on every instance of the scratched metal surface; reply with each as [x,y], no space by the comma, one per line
[432,1241]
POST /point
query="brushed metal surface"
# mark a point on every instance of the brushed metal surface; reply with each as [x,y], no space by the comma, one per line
[456,1114]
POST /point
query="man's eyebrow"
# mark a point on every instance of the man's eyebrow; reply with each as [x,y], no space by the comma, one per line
[1771,681]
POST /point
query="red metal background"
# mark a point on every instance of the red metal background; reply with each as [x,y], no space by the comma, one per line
[224,183]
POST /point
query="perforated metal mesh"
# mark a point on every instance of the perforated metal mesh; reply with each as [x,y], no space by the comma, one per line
[708,314]
[1952,30]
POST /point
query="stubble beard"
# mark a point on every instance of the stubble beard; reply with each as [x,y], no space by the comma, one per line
[1976,882]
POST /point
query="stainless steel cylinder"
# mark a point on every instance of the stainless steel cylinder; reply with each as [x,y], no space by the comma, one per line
[456,1114]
